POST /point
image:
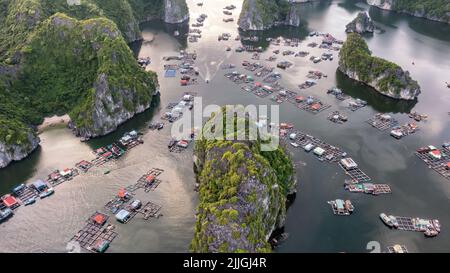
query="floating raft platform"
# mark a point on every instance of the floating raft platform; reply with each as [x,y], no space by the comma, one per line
[92,233]
[144,183]
[391,249]
[382,122]
[356,174]
[84,165]
[116,204]
[26,193]
[331,154]
[438,165]
[149,210]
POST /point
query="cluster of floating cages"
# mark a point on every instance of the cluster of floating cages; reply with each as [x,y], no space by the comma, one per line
[260,91]
[26,192]
[397,249]
[178,146]
[310,104]
[399,132]
[330,153]
[149,181]
[238,78]
[111,152]
[84,165]
[272,77]
[356,174]
[341,207]
[438,160]
[417,224]
[58,177]
[382,122]
[264,72]
[368,188]
[356,104]
[338,93]
[251,66]
[96,236]
[337,117]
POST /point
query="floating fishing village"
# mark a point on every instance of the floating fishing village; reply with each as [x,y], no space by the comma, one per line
[324,101]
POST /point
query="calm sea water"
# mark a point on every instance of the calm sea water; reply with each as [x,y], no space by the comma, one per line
[417,191]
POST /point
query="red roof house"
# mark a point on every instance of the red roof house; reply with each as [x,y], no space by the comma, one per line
[10,201]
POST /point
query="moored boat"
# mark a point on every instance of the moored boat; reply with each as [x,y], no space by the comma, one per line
[386,220]
[47,193]
[30,201]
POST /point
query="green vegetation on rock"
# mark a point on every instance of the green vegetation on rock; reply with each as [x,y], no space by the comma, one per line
[263,14]
[242,194]
[57,58]
[357,62]
[438,10]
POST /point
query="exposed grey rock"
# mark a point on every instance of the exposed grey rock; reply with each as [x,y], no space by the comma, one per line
[108,114]
[10,153]
[361,24]
[175,11]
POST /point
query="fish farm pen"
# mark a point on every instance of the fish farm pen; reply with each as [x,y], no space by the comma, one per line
[356,174]
[382,122]
[440,165]
[148,182]
[391,249]
[331,153]
[92,234]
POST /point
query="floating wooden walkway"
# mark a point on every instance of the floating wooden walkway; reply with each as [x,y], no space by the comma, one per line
[438,165]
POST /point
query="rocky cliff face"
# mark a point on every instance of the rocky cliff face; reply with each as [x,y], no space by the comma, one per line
[242,195]
[361,24]
[15,152]
[264,14]
[175,11]
[436,10]
[112,106]
[356,61]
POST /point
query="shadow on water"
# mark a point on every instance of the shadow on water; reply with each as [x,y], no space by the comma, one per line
[280,31]
[351,5]
[158,25]
[429,28]
[18,172]
[139,122]
[377,101]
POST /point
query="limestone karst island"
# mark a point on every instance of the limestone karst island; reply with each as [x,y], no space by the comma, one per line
[224,126]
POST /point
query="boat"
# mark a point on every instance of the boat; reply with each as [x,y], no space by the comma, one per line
[294,144]
[107,172]
[386,220]
[47,193]
[30,201]
[430,232]
[349,206]
[393,221]
[5,214]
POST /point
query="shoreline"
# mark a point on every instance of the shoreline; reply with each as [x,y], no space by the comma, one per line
[50,122]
